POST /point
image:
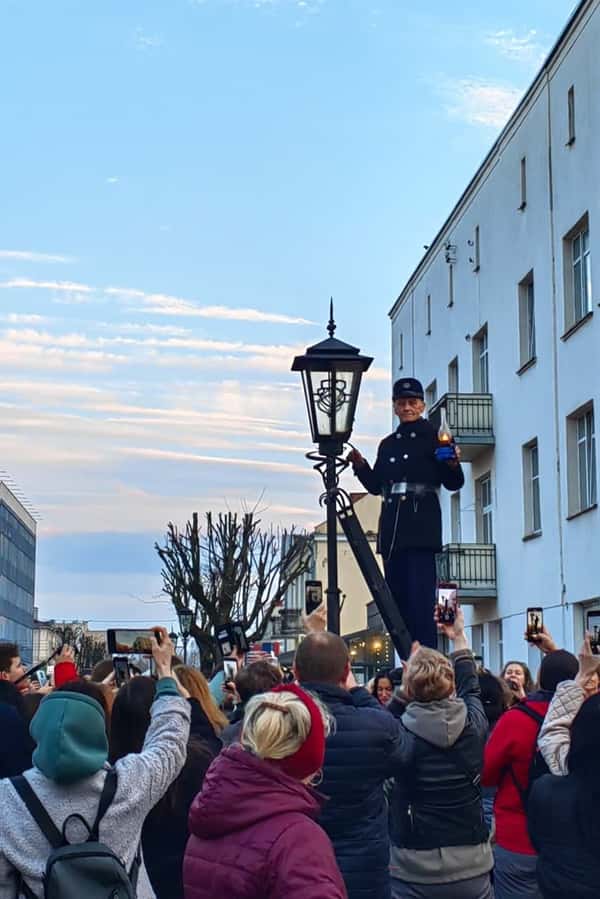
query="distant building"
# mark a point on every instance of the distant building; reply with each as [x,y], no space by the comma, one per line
[285,626]
[500,321]
[48,635]
[17,572]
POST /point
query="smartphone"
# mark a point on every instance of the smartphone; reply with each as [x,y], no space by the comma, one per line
[230,668]
[42,679]
[535,623]
[231,636]
[447,602]
[313,596]
[593,628]
[122,672]
[130,642]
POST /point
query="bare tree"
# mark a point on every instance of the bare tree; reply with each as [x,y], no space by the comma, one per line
[233,571]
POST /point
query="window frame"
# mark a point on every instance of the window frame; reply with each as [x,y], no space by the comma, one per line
[532,494]
[582,485]
[577,266]
[571,133]
[523,183]
[485,513]
[527,329]
[428,315]
[481,360]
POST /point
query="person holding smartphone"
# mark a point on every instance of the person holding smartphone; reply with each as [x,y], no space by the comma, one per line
[409,471]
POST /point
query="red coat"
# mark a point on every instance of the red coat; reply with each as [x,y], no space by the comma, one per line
[64,672]
[511,745]
[253,836]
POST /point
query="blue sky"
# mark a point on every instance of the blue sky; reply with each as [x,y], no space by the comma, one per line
[184,184]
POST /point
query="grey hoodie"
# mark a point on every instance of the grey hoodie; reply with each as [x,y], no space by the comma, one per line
[142,780]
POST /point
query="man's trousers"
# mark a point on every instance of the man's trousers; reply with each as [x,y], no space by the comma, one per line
[411,576]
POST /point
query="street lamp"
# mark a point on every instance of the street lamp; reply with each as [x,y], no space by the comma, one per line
[331,374]
[186,617]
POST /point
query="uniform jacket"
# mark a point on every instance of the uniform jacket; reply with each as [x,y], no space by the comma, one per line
[367,746]
[409,522]
[555,736]
[253,836]
[565,869]
[512,745]
[436,813]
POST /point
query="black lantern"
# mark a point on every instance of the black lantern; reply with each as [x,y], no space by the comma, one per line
[186,616]
[331,374]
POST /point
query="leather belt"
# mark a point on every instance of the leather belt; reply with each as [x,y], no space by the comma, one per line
[406,488]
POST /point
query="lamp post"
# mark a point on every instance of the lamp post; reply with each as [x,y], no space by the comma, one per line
[186,617]
[331,374]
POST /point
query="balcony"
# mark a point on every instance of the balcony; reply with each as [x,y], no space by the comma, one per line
[470,417]
[472,566]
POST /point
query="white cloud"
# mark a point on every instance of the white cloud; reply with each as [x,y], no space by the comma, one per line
[526,48]
[112,180]
[29,283]
[480,102]
[28,256]
[177,456]
[156,303]
[145,41]
[24,318]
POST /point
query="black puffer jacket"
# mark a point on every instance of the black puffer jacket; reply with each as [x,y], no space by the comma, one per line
[408,454]
[438,801]
[565,867]
[367,747]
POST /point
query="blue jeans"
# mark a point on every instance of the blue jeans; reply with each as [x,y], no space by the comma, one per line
[515,875]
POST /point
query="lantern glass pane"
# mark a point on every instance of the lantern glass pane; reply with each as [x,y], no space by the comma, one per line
[345,399]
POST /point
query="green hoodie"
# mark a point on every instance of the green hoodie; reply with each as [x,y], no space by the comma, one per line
[70,732]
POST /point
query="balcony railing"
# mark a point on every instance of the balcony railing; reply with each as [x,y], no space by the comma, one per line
[472,566]
[470,417]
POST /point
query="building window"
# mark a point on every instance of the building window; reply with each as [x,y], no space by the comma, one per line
[523,184]
[496,645]
[428,313]
[527,320]
[477,641]
[453,376]
[485,531]
[431,394]
[578,273]
[455,521]
[571,116]
[581,447]
[475,258]
[401,352]
[450,285]
[481,362]
[531,488]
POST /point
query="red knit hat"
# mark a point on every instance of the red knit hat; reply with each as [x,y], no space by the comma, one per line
[308,759]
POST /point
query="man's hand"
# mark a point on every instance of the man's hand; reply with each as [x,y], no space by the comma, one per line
[356,459]
[455,462]
[543,640]
[587,676]
[455,631]
[162,652]
[317,620]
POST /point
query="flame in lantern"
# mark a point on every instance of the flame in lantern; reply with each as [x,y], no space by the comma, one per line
[445,437]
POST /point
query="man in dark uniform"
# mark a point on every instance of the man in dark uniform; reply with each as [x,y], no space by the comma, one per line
[408,471]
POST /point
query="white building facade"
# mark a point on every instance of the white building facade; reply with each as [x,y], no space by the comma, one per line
[501,323]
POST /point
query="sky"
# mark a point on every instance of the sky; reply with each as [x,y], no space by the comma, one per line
[184,184]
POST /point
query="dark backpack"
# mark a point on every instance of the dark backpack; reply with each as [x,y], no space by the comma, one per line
[538,766]
[75,870]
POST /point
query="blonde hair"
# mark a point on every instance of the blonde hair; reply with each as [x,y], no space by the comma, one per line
[277,724]
[197,686]
[428,676]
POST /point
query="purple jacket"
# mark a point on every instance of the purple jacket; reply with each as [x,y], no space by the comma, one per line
[253,836]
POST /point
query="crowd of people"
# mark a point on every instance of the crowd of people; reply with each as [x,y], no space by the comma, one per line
[439,780]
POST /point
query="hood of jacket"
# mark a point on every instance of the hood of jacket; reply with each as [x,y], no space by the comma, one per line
[70,732]
[440,723]
[241,790]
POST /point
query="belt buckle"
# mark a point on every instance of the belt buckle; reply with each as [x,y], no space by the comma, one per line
[400,488]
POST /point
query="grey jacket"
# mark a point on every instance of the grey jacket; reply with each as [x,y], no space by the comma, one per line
[554,741]
[142,780]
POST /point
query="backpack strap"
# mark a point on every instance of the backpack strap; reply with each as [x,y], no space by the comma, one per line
[539,720]
[37,811]
[106,797]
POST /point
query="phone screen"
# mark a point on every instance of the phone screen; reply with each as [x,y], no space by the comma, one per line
[535,622]
[122,672]
[446,600]
[593,628]
[313,596]
[42,679]
[129,642]
[230,669]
